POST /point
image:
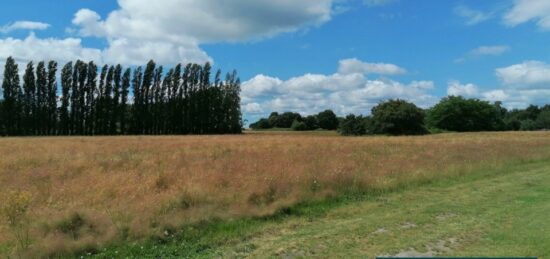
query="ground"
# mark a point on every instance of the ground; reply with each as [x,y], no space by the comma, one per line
[278,194]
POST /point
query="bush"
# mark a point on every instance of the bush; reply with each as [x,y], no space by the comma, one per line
[398,117]
[327,120]
[261,124]
[299,126]
[456,113]
[543,120]
[353,126]
[528,125]
[311,122]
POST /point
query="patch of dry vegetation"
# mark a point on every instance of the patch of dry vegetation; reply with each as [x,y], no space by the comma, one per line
[84,192]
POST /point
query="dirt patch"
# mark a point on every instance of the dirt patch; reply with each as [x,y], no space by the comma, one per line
[408,225]
[432,249]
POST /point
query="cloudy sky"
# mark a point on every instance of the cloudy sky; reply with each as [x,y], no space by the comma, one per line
[307,55]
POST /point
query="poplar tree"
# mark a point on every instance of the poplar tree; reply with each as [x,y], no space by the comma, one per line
[10,111]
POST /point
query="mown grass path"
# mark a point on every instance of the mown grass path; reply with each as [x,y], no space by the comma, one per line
[500,213]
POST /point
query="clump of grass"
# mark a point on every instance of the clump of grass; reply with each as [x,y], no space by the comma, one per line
[14,211]
[72,225]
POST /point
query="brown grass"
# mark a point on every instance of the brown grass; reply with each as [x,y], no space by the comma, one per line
[135,187]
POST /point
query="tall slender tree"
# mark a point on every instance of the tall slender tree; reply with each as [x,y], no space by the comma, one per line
[124,100]
[52,98]
[29,102]
[10,111]
[66,84]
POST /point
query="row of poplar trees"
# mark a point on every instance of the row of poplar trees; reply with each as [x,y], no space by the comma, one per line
[114,101]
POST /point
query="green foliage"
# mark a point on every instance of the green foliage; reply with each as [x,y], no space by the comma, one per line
[456,113]
[353,126]
[298,126]
[528,124]
[311,122]
[327,120]
[543,120]
[263,123]
[398,117]
[179,102]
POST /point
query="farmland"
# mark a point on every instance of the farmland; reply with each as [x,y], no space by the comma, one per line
[83,194]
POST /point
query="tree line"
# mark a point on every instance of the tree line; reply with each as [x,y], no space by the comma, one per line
[399,117]
[112,100]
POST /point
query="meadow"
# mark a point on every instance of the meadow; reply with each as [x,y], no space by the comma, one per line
[65,195]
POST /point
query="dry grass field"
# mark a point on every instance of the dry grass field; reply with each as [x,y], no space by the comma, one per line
[72,193]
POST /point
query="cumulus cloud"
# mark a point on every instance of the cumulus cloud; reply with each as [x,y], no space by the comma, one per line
[353,65]
[136,32]
[528,73]
[33,48]
[24,25]
[347,91]
[529,10]
[455,88]
[471,16]
[377,2]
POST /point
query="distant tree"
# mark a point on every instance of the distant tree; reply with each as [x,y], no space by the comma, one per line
[41,107]
[286,119]
[528,124]
[353,125]
[311,122]
[10,111]
[163,103]
[263,123]
[124,100]
[398,117]
[52,98]
[327,120]
[29,101]
[298,126]
[66,83]
[116,107]
[456,113]
[543,120]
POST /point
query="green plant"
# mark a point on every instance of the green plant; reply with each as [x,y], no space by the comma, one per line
[14,211]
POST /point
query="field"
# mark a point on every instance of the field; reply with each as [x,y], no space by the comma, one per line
[74,194]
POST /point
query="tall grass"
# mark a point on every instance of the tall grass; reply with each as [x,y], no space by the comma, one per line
[85,192]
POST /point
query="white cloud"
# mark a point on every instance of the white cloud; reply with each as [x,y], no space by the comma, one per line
[495,50]
[24,25]
[529,10]
[353,65]
[455,88]
[252,108]
[347,91]
[136,32]
[33,48]
[471,16]
[496,95]
[377,2]
[528,73]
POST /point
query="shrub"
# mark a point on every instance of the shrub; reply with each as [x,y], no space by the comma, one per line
[299,126]
[327,120]
[456,113]
[261,124]
[398,117]
[353,126]
[311,122]
[543,120]
[528,125]
[14,210]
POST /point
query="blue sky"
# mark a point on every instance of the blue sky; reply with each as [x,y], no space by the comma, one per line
[310,55]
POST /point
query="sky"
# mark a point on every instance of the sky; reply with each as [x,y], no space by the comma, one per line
[309,55]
